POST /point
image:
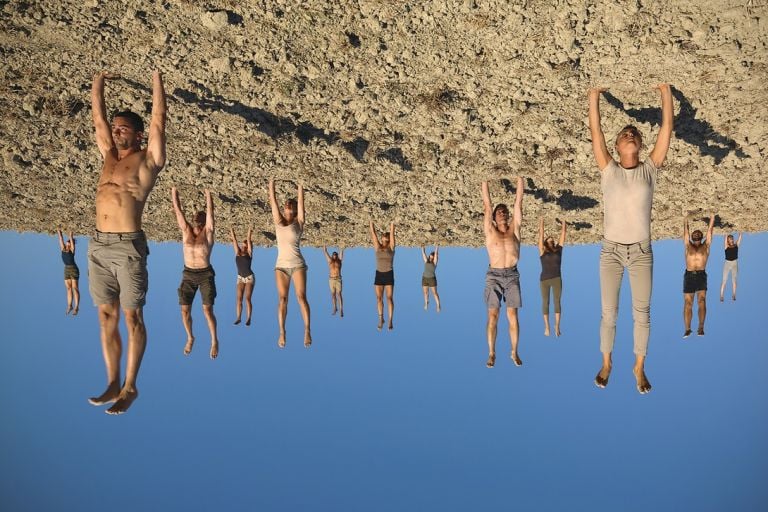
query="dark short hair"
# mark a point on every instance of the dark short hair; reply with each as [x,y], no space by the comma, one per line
[334,253]
[294,204]
[500,206]
[201,214]
[697,235]
[133,118]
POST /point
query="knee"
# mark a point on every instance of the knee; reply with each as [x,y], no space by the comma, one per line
[493,315]
[688,299]
[133,319]
[702,300]
[107,314]
[609,316]
[282,302]
[208,310]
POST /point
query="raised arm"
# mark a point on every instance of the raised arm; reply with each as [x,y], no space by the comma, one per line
[277,217]
[738,242]
[487,209]
[518,221]
[540,239]
[424,254]
[437,254]
[602,156]
[180,220]
[327,256]
[209,220]
[392,235]
[710,228]
[341,254]
[156,139]
[300,205]
[374,237]
[659,152]
[72,241]
[686,234]
[99,110]
[234,240]
[61,240]
[562,233]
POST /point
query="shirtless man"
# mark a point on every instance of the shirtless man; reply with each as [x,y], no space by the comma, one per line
[695,278]
[197,240]
[502,281]
[117,254]
[334,278]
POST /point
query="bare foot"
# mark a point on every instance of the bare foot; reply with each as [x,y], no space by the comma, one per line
[438,308]
[381,322]
[557,331]
[248,322]
[237,322]
[601,380]
[74,311]
[307,339]
[390,326]
[69,308]
[333,312]
[491,361]
[123,402]
[643,386]
[188,346]
[546,331]
[281,341]
[107,397]
[516,359]
[214,349]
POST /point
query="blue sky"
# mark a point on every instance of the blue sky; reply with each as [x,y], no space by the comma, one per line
[409,419]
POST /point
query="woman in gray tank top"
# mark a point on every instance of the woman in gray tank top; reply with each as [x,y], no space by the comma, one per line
[627,197]
[245,278]
[428,277]
[550,255]
[384,250]
[71,272]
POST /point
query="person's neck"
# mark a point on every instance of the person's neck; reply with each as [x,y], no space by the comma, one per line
[122,153]
[629,161]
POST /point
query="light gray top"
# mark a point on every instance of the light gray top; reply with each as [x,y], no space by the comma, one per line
[627,199]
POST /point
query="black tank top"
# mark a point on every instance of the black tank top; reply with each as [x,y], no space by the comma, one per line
[731,253]
[550,263]
[243,265]
[68,258]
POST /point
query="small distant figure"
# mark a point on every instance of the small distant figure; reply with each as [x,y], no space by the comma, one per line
[245,277]
[290,264]
[384,250]
[551,256]
[335,260]
[197,241]
[428,277]
[731,265]
[502,280]
[627,187]
[72,272]
[695,278]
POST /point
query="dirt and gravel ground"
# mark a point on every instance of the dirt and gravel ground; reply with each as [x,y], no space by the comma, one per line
[391,109]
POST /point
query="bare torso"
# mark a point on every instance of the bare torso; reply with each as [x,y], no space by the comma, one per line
[122,192]
[334,268]
[696,256]
[197,247]
[503,247]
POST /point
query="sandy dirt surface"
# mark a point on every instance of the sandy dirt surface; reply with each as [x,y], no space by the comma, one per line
[395,110]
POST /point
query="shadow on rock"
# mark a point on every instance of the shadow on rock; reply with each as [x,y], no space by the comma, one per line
[565,198]
[688,128]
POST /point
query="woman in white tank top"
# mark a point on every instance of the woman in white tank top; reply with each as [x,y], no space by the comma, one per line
[290,264]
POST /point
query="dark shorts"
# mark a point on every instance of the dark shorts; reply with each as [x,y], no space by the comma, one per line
[695,281]
[117,269]
[71,272]
[385,278]
[194,278]
[503,284]
[429,282]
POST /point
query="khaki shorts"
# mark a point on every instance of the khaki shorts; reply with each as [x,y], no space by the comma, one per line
[194,278]
[334,283]
[117,269]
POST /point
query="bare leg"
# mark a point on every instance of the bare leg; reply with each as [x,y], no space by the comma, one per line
[76,295]
[300,288]
[702,299]
[643,386]
[437,298]
[601,380]
[557,324]
[68,285]
[514,334]
[490,331]
[211,318]
[546,324]
[687,313]
[333,302]
[341,305]
[283,283]
[379,304]
[112,349]
[248,303]
[239,301]
[426,297]
[137,342]
[390,288]
[186,319]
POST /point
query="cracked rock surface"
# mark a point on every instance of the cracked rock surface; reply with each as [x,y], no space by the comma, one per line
[394,110]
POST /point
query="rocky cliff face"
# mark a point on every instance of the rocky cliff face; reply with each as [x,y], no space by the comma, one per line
[394,110]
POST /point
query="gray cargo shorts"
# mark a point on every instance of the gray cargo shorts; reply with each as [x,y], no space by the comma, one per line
[503,284]
[117,269]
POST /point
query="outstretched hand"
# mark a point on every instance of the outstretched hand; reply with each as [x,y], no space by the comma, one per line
[663,87]
[597,90]
[106,75]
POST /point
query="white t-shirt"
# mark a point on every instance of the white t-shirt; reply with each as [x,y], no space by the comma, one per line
[627,199]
